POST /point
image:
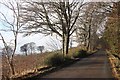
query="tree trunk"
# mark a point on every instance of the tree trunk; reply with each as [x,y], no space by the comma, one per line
[31,51]
[26,53]
[41,52]
[63,41]
[85,42]
[89,37]
[66,44]
[12,67]
[88,45]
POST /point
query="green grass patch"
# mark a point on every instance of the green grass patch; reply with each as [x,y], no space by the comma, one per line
[57,59]
[54,59]
[80,54]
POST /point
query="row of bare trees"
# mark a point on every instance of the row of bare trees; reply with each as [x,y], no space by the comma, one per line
[62,18]
[31,48]
[92,21]
[112,30]
[65,18]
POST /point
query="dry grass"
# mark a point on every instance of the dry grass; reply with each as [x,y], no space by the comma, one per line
[25,64]
[115,63]
[73,50]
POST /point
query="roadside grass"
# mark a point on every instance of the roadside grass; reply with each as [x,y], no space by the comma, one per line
[115,64]
[58,59]
[54,59]
[23,64]
[80,54]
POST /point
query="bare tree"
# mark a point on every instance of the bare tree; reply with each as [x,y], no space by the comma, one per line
[7,51]
[31,47]
[40,48]
[28,48]
[12,25]
[92,19]
[52,17]
[24,49]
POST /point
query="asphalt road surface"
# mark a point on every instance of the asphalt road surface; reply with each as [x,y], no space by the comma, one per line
[94,66]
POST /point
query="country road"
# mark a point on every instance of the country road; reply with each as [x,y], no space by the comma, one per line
[94,66]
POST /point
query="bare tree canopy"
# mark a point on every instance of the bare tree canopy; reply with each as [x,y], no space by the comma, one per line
[52,17]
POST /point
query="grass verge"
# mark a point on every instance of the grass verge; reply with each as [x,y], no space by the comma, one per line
[114,67]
